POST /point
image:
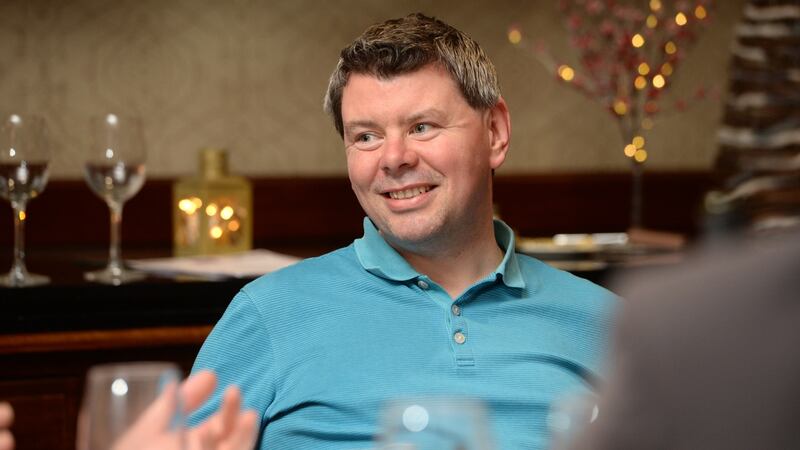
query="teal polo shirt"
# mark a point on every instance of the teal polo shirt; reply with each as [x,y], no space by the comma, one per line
[319,347]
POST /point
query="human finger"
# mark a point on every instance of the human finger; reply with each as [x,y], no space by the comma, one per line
[6,440]
[196,389]
[6,415]
[244,432]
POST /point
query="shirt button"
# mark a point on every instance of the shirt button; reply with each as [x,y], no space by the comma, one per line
[422,284]
[459,337]
[456,310]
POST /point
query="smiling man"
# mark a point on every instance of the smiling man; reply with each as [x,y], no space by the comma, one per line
[432,300]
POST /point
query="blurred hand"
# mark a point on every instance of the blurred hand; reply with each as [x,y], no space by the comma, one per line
[228,429]
[6,419]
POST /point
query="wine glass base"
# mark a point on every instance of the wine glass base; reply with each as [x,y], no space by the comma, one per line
[14,279]
[114,276]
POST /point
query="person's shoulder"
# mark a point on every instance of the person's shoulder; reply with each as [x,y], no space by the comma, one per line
[560,283]
[307,272]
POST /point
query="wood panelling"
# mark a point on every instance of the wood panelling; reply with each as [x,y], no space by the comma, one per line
[323,211]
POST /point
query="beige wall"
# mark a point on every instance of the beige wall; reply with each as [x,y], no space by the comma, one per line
[249,76]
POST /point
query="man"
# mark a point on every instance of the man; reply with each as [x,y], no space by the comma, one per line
[432,300]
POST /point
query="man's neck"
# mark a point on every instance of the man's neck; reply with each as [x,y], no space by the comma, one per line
[460,264]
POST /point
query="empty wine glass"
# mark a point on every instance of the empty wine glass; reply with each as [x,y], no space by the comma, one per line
[435,424]
[24,161]
[115,171]
[116,396]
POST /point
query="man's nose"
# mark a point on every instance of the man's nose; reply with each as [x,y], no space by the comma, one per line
[398,155]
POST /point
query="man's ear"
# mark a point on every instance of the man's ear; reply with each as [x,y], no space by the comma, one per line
[499,133]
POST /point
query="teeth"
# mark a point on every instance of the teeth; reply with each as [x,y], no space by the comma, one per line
[409,193]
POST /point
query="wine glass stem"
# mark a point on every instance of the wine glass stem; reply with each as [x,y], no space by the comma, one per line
[114,259]
[18,266]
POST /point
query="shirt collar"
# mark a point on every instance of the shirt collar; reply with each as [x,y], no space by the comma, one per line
[379,258]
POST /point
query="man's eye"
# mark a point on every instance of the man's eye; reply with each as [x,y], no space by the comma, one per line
[421,128]
[365,138]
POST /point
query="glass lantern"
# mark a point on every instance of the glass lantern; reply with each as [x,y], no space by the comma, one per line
[212,212]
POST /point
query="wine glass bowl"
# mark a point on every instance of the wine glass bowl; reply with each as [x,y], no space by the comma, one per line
[115,171]
[24,169]
[435,423]
[116,395]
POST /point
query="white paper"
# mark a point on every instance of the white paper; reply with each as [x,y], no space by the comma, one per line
[250,264]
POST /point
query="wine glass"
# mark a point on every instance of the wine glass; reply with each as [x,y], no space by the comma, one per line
[24,160]
[570,415]
[114,171]
[117,395]
[435,424]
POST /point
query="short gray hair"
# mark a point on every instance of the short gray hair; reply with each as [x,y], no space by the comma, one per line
[399,46]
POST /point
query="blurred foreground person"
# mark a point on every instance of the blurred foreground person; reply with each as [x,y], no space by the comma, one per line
[706,356]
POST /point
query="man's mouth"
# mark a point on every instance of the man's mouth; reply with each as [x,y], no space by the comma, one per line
[408,193]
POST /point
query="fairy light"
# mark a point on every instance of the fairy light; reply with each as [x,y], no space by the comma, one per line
[655,5]
[643,68]
[620,107]
[566,72]
[187,205]
[640,156]
[22,216]
[681,19]
[638,141]
[211,209]
[637,40]
[670,48]
[233,225]
[215,232]
[630,150]
[659,81]
[514,36]
[700,12]
[640,82]
[652,21]
[666,69]
[226,213]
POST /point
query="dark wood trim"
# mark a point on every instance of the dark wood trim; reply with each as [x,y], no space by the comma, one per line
[103,339]
[323,212]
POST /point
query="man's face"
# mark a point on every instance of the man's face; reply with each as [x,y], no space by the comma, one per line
[420,158]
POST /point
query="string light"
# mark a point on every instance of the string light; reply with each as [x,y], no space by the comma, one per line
[620,107]
[666,69]
[655,5]
[652,21]
[637,40]
[211,209]
[226,213]
[215,232]
[22,216]
[566,72]
[659,81]
[643,69]
[640,156]
[700,12]
[630,150]
[680,19]
[514,36]
[670,48]
[640,82]
[638,141]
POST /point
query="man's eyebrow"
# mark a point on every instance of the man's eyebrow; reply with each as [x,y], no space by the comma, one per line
[424,114]
[349,126]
